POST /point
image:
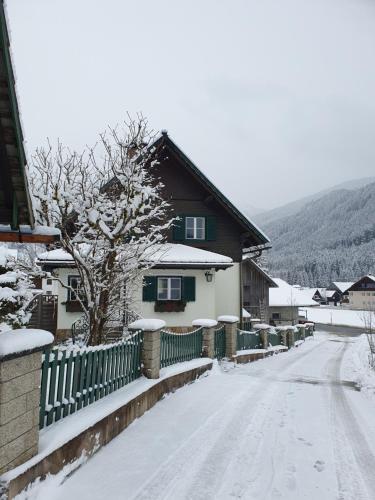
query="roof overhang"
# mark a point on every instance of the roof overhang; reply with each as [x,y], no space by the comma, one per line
[27,235]
[176,265]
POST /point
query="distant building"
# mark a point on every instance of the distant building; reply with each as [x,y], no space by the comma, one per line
[361,294]
[285,300]
[342,288]
[333,297]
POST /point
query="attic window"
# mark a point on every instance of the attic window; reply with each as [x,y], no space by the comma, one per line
[195,228]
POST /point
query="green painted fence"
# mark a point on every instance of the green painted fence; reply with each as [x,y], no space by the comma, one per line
[219,343]
[178,347]
[248,340]
[274,338]
[72,380]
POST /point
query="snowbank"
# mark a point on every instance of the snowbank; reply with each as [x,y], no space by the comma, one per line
[206,323]
[23,339]
[262,326]
[356,366]
[336,316]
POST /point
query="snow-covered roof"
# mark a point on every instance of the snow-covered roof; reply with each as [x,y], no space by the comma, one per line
[288,296]
[330,293]
[245,314]
[177,254]
[343,286]
[55,256]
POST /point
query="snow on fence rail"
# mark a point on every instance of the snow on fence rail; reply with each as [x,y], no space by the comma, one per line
[74,379]
[178,347]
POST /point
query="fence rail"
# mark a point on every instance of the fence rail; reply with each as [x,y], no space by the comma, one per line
[248,340]
[178,347]
[72,380]
[219,343]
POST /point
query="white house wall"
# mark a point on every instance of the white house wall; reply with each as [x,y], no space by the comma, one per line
[227,291]
[202,307]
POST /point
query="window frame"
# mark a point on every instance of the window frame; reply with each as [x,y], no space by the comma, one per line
[195,228]
[72,295]
[169,288]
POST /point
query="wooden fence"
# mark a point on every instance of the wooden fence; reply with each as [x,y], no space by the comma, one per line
[74,379]
[178,347]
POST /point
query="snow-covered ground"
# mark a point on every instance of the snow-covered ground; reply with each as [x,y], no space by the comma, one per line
[293,426]
[335,316]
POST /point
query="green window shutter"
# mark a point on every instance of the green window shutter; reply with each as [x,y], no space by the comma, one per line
[149,292]
[188,290]
[210,228]
[179,228]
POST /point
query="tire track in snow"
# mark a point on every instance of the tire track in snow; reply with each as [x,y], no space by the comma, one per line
[196,469]
[355,461]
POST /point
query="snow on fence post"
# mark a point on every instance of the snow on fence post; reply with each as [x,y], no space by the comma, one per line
[208,330]
[20,369]
[150,353]
[231,325]
[264,331]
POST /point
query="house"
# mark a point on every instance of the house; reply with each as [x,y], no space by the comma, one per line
[182,283]
[342,288]
[333,297]
[284,302]
[208,221]
[16,215]
[319,295]
[361,294]
[256,285]
[199,271]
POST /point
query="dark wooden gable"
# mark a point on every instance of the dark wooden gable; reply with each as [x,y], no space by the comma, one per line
[367,283]
[15,207]
[190,193]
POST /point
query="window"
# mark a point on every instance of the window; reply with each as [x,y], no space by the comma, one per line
[49,281]
[75,283]
[169,288]
[275,315]
[195,228]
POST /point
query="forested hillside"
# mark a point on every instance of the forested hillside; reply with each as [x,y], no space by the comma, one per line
[332,238]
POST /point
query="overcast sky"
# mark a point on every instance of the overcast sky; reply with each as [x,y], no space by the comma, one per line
[272,99]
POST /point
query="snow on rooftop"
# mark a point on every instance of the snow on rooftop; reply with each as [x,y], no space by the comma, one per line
[175,253]
[330,293]
[58,255]
[287,295]
[343,285]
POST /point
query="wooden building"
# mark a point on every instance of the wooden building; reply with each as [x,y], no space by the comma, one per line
[256,285]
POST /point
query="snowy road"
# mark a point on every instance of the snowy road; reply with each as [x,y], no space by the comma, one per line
[287,427]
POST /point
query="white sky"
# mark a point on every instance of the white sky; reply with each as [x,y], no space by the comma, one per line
[272,99]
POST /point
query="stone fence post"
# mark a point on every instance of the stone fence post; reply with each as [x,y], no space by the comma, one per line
[231,325]
[150,353]
[208,326]
[302,332]
[282,331]
[264,331]
[20,372]
[290,336]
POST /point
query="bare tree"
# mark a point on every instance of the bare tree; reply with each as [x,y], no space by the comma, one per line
[368,318]
[108,206]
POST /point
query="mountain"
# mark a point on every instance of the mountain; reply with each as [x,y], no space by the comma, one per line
[262,217]
[331,238]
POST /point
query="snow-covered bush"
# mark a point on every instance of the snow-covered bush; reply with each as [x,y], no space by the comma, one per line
[108,207]
[15,295]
